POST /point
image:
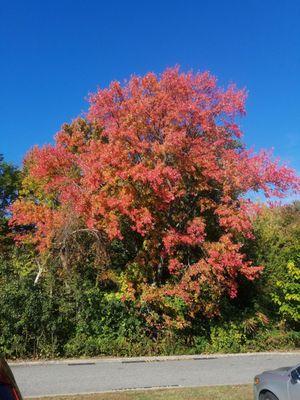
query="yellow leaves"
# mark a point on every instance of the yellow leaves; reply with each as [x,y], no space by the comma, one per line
[32,188]
[294,271]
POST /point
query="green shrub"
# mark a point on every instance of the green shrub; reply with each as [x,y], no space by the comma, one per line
[287,297]
[226,339]
[274,339]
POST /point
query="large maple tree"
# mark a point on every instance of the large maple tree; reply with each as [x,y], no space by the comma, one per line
[159,159]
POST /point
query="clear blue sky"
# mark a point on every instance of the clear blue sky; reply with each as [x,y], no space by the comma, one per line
[53,53]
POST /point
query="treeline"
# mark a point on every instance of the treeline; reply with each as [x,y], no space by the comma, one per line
[76,314]
[134,232]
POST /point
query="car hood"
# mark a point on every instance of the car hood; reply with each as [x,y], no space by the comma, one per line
[279,371]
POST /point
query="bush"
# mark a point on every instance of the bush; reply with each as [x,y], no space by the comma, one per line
[226,339]
[274,339]
[288,293]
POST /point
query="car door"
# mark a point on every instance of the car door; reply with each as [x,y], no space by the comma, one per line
[294,384]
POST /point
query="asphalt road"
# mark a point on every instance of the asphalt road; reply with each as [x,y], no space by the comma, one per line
[90,376]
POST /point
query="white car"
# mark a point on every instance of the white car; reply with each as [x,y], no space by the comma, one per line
[279,384]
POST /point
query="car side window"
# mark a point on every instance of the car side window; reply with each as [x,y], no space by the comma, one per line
[295,375]
[6,392]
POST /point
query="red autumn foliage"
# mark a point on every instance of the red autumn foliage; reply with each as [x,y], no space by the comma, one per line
[162,154]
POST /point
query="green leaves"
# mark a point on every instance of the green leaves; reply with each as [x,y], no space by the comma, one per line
[277,247]
[9,184]
[288,293]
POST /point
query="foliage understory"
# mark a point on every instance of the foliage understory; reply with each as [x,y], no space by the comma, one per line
[76,315]
[74,318]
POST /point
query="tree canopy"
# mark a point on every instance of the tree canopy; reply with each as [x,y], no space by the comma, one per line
[158,168]
[9,182]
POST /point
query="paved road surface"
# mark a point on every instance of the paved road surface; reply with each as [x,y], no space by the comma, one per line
[70,377]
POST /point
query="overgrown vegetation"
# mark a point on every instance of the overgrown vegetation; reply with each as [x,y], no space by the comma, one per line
[132,235]
[73,313]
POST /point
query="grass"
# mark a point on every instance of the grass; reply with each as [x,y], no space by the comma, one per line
[242,392]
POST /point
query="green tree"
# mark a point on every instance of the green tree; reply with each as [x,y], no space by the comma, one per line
[288,295]
[9,184]
[277,248]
